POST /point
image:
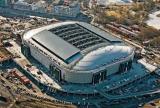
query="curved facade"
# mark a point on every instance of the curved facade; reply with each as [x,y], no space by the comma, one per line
[77,52]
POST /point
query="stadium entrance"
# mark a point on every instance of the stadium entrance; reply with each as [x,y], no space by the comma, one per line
[99,77]
[55,72]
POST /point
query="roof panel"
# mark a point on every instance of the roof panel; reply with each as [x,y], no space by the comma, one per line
[78,31]
[104,56]
[100,32]
[55,44]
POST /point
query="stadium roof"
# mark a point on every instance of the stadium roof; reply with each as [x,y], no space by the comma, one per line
[78,36]
[100,32]
[55,44]
[69,41]
[104,56]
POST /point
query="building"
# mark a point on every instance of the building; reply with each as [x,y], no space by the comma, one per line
[66,8]
[39,6]
[22,5]
[77,52]
[109,2]
[20,76]
[3,2]
[92,3]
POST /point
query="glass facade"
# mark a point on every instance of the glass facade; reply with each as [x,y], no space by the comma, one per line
[55,72]
[125,66]
[2,2]
[100,76]
[25,50]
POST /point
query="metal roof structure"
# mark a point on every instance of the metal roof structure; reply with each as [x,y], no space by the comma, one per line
[104,56]
[100,32]
[78,36]
[55,45]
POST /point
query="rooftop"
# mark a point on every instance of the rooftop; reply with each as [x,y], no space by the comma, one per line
[55,45]
[154,20]
[104,56]
[78,36]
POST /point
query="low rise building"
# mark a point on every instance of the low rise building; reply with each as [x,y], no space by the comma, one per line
[35,7]
[106,3]
[39,7]
[21,5]
[66,8]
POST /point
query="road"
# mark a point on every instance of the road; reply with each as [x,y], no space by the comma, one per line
[125,96]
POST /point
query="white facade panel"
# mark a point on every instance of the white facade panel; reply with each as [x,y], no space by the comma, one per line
[112,69]
[76,77]
[40,57]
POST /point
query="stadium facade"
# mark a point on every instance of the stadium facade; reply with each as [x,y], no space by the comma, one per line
[77,52]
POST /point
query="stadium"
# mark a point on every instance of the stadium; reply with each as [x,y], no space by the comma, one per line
[77,52]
